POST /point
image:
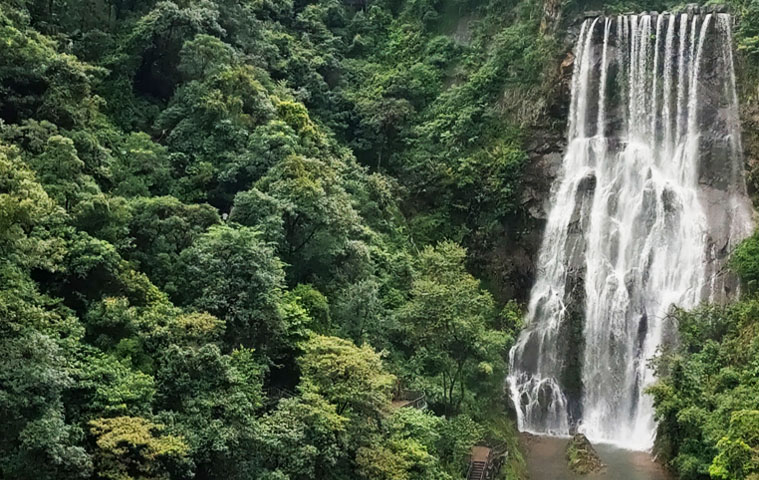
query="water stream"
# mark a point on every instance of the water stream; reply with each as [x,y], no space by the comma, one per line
[650,201]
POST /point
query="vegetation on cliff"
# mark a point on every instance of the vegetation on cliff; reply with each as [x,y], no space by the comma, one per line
[707,399]
[232,231]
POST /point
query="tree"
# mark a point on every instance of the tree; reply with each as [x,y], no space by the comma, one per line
[317,214]
[352,378]
[303,438]
[105,385]
[142,167]
[705,399]
[211,399]
[316,305]
[447,321]
[407,452]
[105,218]
[232,274]
[37,337]
[256,209]
[153,44]
[24,207]
[38,442]
[203,55]
[160,228]
[38,82]
[63,172]
[360,313]
[745,261]
[132,448]
[227,105]
[268,144]
[738,456]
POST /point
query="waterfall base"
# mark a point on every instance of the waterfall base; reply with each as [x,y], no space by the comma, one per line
[546,460]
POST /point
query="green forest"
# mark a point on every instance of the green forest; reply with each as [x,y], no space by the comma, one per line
[233,232]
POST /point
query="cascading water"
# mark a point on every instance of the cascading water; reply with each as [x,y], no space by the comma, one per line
[650,201]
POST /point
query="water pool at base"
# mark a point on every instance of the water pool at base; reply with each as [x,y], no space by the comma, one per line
[546,460]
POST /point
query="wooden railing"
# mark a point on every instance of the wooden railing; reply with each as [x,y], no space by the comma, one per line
[411,399]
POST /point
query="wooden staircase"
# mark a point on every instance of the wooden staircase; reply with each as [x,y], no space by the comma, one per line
[476,471]
[478,463]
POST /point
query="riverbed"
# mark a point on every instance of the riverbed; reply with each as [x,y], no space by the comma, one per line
[546,460]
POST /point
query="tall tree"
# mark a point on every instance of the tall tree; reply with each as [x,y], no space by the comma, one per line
[448,321]
[233,274]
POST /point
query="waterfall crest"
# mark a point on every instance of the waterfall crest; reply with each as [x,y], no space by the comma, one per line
[649,203]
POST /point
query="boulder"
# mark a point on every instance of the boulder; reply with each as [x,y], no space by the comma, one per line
[582,457]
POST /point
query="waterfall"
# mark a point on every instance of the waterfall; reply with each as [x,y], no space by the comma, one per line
[649,203]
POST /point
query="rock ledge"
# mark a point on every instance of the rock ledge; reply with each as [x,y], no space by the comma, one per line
[582,457]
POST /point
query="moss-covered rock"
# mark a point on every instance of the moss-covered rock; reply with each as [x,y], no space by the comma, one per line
[582,457]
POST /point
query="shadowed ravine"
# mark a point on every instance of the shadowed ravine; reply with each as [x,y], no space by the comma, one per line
[650,201]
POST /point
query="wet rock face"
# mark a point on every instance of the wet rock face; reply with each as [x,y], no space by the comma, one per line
[721,180]
[582,457]
[515,263]
[513,260]
[545,151]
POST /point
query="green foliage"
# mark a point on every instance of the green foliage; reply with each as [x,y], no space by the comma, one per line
[707,392]
[206,206]
[110,386]
[738,451]
[353,378]
[232,274]
[24,205]
[62,171]
[159,229]
[143,168]
[38,442]
[748,32]
[409,451]
[745,262]
[316,306]
[316,211]
[448,324]
[303,438]
[38,82]
[131,448]
[211,400]
[36,338]
[397,459]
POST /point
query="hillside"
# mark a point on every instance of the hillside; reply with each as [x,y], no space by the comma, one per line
[233,232]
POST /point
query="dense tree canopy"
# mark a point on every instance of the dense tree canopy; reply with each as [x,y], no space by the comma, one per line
[218,223]
[233,231]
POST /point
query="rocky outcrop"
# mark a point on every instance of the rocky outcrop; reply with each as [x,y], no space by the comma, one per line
[512,262]
[582,457]
[551,16]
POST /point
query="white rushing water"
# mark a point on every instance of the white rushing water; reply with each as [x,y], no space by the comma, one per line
[649,203]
